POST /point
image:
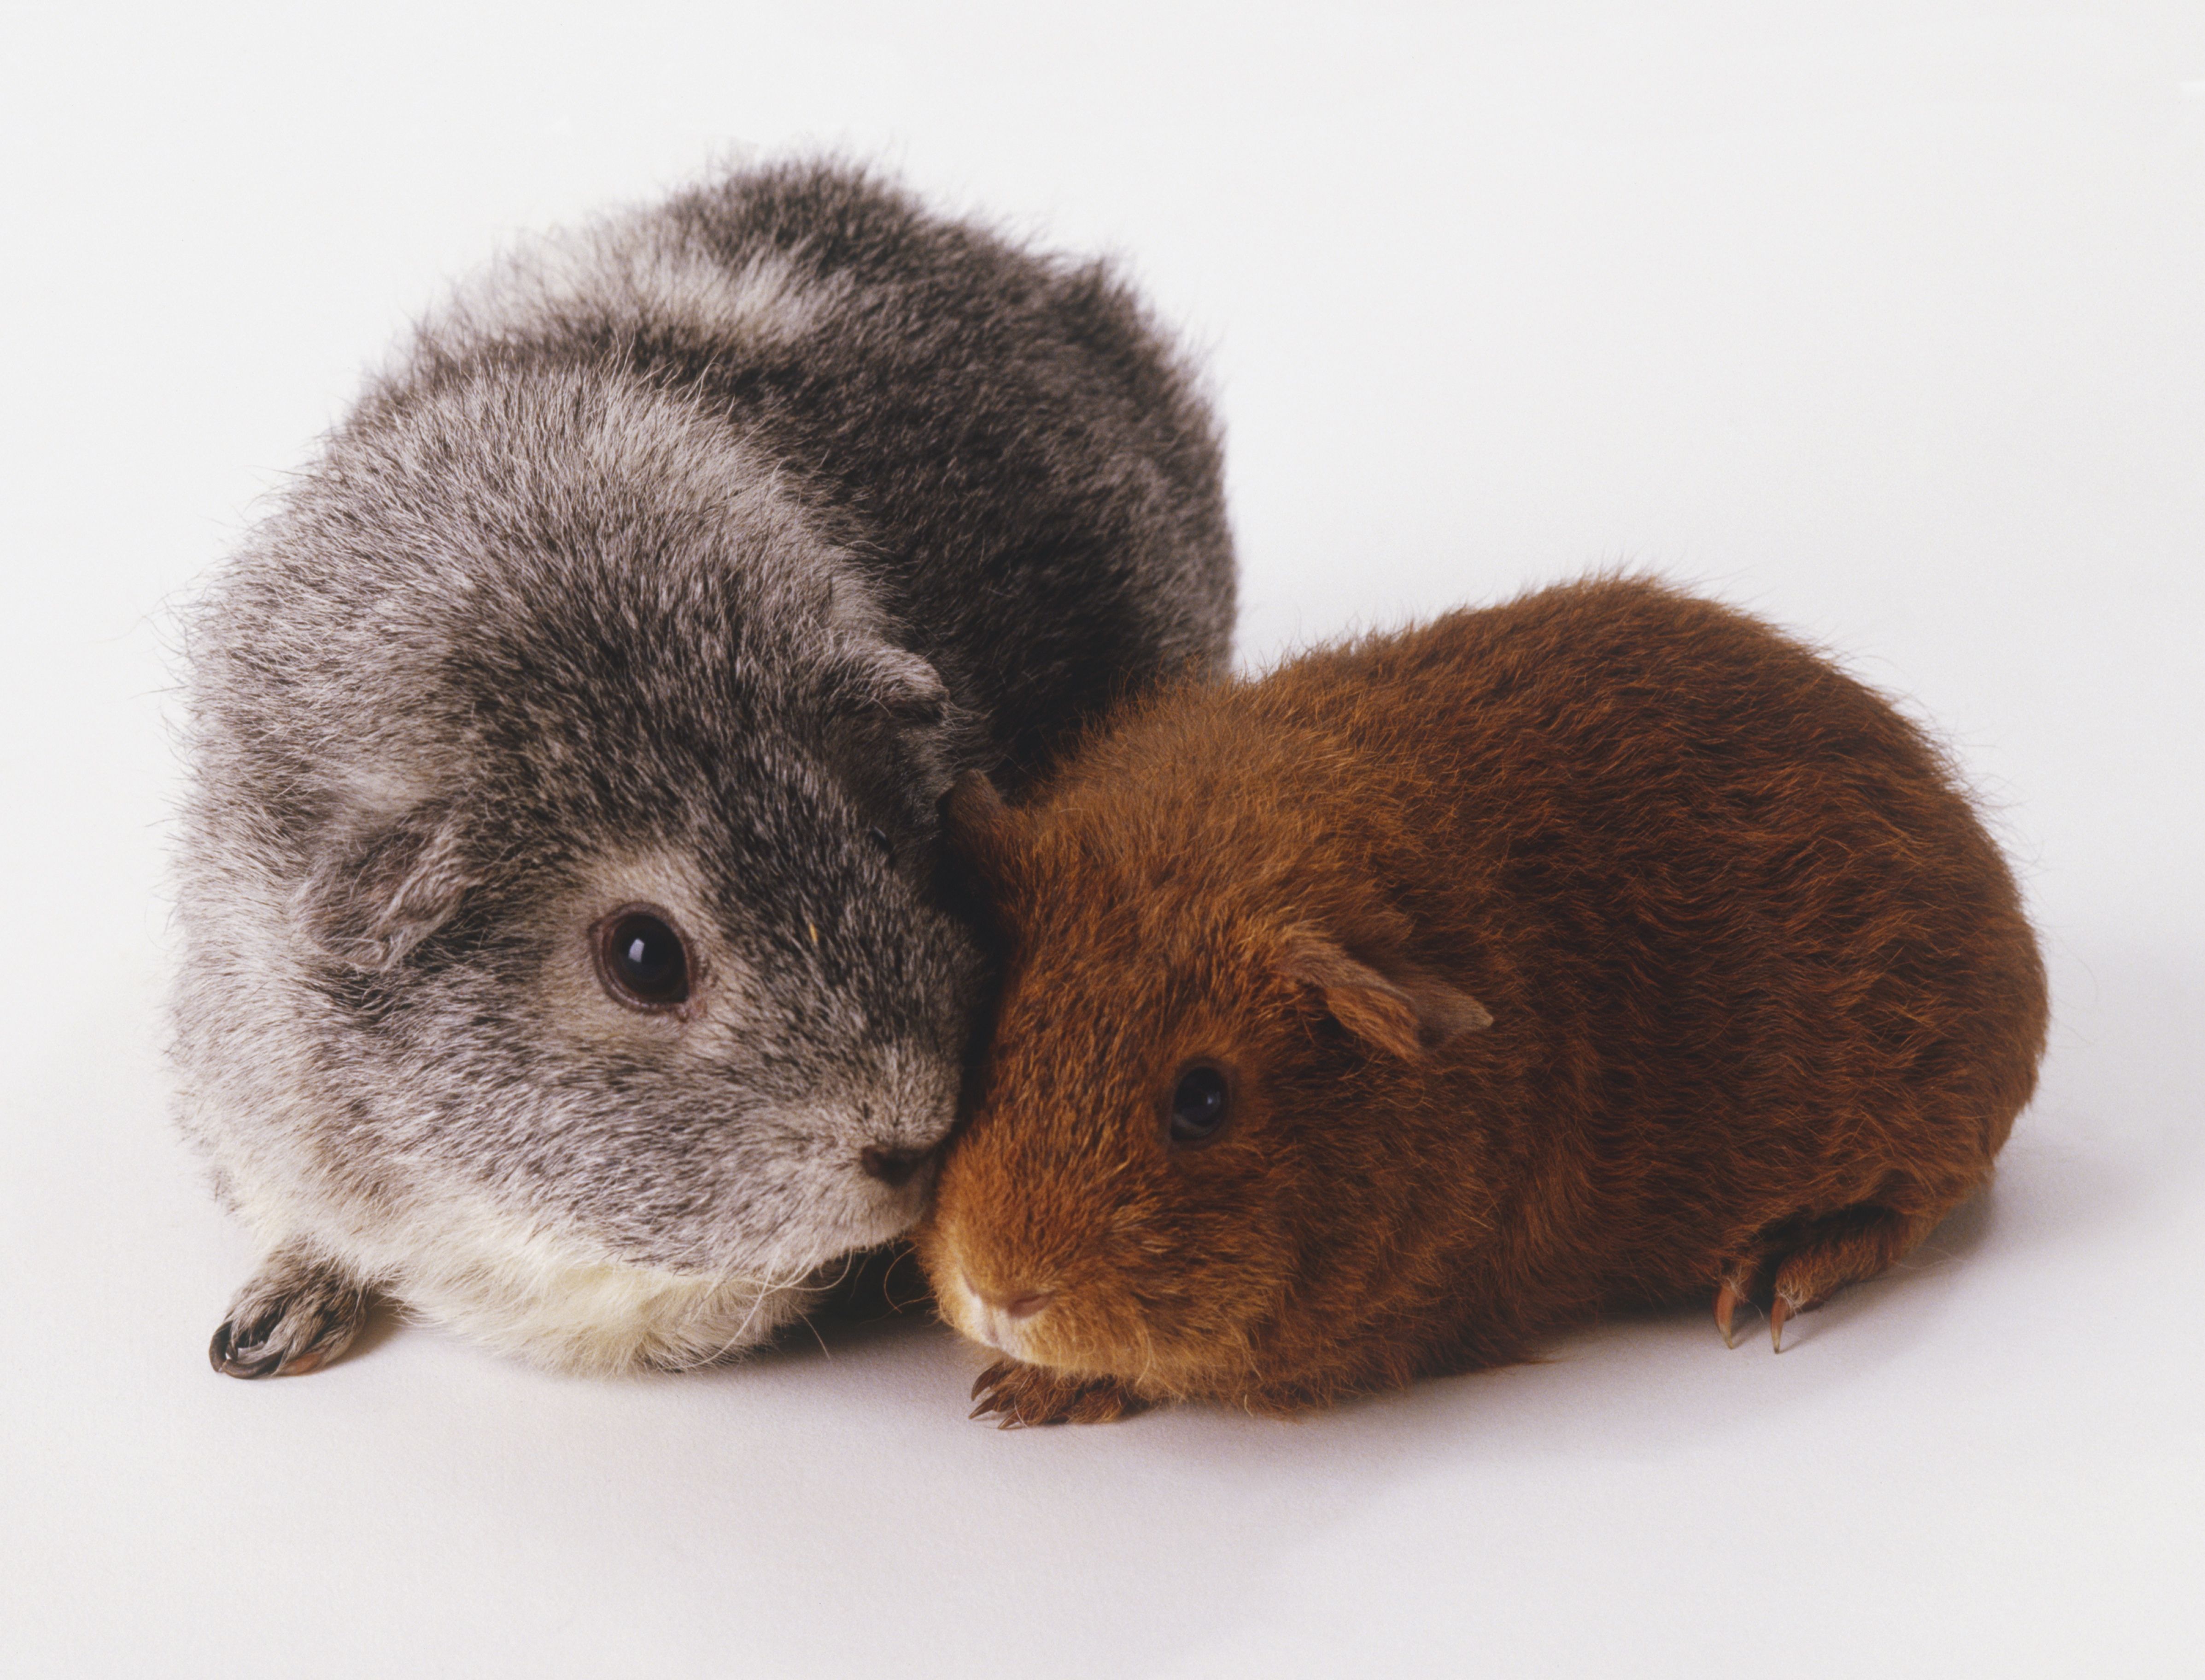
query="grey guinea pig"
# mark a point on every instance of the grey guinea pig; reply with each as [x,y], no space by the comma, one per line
[561,956]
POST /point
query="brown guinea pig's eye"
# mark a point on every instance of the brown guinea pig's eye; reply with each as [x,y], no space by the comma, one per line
[1199,1104]
[642,960]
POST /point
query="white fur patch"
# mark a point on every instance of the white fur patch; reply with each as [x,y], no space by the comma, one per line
[549,1299]
[980,1321]
[529,1292]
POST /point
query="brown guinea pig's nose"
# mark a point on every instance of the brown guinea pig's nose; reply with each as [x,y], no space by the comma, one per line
[1024,1305]
[892,1166]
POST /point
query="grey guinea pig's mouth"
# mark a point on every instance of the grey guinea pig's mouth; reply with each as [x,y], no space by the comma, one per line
[864,1213]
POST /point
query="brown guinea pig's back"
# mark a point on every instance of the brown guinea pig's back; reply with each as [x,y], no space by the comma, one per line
[1779,971]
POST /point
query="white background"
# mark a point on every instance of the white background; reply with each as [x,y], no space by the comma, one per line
[1888,321]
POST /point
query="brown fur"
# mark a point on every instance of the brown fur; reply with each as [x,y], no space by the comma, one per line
[1586,950]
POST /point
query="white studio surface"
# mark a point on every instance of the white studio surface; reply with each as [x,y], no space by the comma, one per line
[1885,320]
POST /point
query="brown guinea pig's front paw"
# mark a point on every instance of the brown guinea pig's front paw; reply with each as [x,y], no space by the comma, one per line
[1025,1394]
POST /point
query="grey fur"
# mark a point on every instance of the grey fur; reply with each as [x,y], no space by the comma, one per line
[682,564]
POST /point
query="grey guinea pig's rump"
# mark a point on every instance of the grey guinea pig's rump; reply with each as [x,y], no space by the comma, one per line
[561,956]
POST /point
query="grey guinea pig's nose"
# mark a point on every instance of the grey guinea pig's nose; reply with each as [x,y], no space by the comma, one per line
[893,1167]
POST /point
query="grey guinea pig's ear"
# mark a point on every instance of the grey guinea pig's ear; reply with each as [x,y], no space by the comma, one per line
[1402,1012]
[372,897]
[879,676]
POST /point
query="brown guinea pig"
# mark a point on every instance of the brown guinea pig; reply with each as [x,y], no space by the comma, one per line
[1369,1020]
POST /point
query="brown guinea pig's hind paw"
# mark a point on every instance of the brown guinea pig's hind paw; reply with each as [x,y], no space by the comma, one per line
[1729,1296]
[1815,1258]
[1020,1395]
[294,1316]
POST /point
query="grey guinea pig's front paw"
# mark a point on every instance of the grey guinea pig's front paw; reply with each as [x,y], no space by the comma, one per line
[294,1316]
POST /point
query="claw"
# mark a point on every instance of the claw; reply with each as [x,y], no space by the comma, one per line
[1779,1311]
[998,1402]
[1726,1300]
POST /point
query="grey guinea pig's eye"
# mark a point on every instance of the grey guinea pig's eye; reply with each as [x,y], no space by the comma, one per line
[1199,1104]
[642,960]
[880,838]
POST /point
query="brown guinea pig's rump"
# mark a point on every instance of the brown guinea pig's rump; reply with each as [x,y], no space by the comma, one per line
[1443,988]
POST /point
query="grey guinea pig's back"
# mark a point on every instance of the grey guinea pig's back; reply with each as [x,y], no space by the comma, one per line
[670,574]
[1027,475]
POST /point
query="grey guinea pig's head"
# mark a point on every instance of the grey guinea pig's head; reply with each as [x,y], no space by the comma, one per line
[557,889]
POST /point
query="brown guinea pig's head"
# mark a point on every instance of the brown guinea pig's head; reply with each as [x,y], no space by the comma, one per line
[1199,1034]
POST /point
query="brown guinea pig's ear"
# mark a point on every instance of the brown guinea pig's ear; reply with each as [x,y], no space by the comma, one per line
[984,836]
[1405,1012]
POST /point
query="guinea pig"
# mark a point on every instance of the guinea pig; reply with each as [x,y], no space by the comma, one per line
[1373,1019]
[562,955]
